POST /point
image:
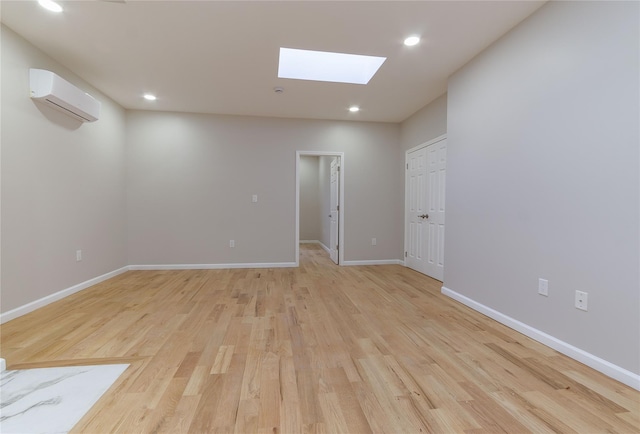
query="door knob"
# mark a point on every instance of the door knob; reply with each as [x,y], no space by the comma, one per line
[424,216]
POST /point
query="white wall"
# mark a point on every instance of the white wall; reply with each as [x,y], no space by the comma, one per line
[63,185]
[191,177]
[310,226]
[542,177]
[324,173]
[427,123]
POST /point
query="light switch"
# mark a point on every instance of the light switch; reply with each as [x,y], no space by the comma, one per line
[254,198]
[543,287]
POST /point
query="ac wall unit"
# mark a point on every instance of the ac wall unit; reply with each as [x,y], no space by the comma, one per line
[58,93]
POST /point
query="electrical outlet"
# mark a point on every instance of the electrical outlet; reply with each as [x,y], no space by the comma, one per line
[374,242]
[254,198]
[543,287]
[581,300]
[78,255]
[232,243]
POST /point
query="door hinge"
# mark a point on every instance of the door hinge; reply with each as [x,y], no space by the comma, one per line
[405,254]
[338,168]
[407,166]
[337,246]
[338,208]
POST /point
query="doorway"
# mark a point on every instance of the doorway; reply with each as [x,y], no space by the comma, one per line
[425,207]
[331,210]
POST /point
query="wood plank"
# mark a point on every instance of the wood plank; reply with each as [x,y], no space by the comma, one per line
[534,418]
[488,412]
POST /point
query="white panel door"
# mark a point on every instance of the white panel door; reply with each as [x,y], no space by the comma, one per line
[416,204]
[425,209]
[334,209]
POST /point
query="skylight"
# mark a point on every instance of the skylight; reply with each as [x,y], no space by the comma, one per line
[50,5]
[327,66]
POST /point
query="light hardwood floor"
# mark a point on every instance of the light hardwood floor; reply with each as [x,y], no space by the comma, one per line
[320,348]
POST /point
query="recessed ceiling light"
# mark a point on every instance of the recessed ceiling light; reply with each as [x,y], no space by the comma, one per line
[50,5]
[354,108]
[411,41]
[149,97]
[327,66]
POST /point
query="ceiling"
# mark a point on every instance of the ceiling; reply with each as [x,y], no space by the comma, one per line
[222,56]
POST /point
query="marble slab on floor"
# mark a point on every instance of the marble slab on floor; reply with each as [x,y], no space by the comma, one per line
[51,400]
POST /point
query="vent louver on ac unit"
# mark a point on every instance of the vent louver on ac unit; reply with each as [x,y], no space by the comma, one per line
[58,93]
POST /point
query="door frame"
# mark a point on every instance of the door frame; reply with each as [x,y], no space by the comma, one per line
[334,212]
[406,189]
[340,201]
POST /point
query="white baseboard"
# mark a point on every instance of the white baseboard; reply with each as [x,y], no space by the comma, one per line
[213,266]
[326,249]
[30,307]
[373,262]
[616,372]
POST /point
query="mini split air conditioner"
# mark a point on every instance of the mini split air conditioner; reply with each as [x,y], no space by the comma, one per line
[58,93]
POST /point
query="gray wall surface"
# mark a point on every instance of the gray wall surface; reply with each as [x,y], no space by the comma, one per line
[542,176]
[190,179]
[310,226]
[424,125]
[324,173]
[63,185]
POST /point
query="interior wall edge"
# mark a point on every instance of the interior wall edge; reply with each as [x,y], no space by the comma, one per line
[373,262]
[603,366]
[41,302]
[212,266]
